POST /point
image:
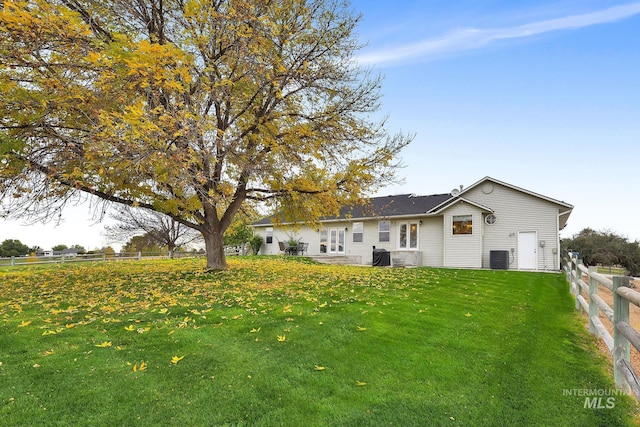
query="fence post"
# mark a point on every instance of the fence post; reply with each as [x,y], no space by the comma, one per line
[139,255]
[578,289]
[621,347]
[572,273]
[13,261]
[593,307]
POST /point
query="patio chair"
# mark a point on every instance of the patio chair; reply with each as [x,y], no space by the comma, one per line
[302,248]
[283,248]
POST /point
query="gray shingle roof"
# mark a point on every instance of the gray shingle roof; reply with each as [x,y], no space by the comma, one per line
[386,206]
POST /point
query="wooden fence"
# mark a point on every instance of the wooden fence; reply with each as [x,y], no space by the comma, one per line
[624,334]
[122,256]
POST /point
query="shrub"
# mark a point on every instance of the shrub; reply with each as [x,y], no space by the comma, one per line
[256,243]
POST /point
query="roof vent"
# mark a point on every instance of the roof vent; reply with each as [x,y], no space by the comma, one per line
[455,192]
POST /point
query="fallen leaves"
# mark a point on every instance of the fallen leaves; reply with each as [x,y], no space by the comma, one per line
[141,367]
[152,301]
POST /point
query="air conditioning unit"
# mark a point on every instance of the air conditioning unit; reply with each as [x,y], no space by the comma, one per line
[499,260]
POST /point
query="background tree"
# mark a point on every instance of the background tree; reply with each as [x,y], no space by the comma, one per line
[59,248]
[158,230]
[238,234]
[144,243]
[12,247]
[605,248]
[79,248]
[189,108]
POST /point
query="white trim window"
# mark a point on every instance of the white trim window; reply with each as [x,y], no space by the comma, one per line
[408,235]
[324,240]
[462,224]
[269,237]
[384,231]
[358,232]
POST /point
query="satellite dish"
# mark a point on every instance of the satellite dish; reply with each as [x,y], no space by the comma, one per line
[455,192]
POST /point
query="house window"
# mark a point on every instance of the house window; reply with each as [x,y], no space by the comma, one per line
[324,238]
[358,232]
[463,224]
[490,219]
[269,238]
[408,235]
[383,231]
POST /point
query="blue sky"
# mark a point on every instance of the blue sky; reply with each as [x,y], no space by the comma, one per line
[544,95]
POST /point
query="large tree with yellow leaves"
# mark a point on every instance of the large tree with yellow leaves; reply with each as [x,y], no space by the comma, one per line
[190,108]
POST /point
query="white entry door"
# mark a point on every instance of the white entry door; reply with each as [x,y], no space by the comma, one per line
[336,240]
[527,250]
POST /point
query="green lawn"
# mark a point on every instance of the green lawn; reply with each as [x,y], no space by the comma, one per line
[276,341]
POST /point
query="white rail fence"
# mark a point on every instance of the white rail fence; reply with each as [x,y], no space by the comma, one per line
[233,250]
[624,334]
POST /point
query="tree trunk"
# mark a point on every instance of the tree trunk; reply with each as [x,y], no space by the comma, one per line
[214,245]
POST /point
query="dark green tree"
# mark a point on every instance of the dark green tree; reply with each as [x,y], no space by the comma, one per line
[59,247]
[12,247]
[605,248]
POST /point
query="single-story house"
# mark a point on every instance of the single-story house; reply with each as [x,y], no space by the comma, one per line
[69,252]
[490,224]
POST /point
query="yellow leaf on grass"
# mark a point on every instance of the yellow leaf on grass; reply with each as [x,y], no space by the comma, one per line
[176,359]
[360,383]
[282,338]
[142,367]
[255,330]
[468,314]
[360,328]
[24,323]
[104,344]
[318,368]
[129,328]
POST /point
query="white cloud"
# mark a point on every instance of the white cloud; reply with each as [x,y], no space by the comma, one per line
[473,38]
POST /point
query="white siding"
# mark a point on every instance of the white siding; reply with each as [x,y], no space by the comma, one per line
[463,250]
[432,242]
[515,212]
